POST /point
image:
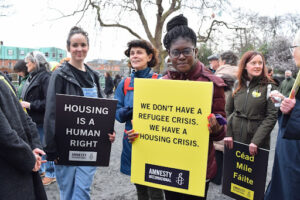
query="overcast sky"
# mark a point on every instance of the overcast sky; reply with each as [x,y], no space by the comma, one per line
[29,25]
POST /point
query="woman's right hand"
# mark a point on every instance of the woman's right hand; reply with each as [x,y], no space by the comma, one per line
[228,142]
[131,135]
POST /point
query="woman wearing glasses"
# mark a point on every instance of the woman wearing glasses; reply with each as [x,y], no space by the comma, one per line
[180,42]
[285,182]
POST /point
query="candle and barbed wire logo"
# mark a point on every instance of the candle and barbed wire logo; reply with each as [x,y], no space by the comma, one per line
[179,179]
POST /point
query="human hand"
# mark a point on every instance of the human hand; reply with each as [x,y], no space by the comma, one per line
[25,104]
[112,136]
[276,97]
[213,126]
[252,149]
[288,104]
[131,135]
[38,152]
[228,142]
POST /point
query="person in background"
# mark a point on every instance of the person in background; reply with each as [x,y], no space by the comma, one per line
[73,78]
[7,75]
[213,62]
[21,69]
[228,64]
[34,101]
[117,80]
[287,84]
[109,85]
[285,180]
[180,42]
[142,57]
[250,112]
[228,72]
[20,149]
[271,75]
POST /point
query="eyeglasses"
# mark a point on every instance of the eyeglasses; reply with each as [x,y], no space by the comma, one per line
[186,52]
[292,48]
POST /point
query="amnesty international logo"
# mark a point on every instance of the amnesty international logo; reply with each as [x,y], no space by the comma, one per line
[244,192]
[179,179]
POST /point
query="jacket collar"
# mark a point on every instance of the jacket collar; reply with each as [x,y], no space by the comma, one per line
[140,73]
[67,73]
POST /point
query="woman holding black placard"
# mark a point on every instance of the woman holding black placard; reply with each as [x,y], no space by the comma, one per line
[250,111]
[73,78]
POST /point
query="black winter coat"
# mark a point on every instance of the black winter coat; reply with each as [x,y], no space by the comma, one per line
[109,86]
[62,81]
[18,137]
[36,95]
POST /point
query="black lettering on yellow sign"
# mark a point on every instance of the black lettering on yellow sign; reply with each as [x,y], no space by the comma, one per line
[183,109]
[154,127]
[166,139]
[145,106]
[199,111]
[160,107]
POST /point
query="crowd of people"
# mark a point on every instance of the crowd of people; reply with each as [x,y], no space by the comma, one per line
[244,93]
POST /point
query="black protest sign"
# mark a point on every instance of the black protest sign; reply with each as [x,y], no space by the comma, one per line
[81,130]
[244,175]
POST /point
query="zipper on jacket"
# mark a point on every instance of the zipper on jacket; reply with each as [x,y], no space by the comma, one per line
[244,106]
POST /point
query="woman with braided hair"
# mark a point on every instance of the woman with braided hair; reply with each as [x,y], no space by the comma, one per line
[180,42]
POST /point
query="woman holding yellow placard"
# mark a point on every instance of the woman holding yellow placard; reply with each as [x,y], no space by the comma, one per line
[285,182]
[180,42]
[142,57]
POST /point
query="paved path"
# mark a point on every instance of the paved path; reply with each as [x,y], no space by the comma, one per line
[110,184]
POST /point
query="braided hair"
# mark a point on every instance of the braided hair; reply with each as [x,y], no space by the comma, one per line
[178,27]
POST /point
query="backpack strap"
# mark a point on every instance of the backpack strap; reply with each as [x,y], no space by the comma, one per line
[126,85]
[127,82]
[154,75]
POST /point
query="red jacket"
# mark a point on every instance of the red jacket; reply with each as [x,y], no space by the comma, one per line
[201,73]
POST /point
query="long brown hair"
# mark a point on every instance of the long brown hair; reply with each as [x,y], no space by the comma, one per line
[242,75]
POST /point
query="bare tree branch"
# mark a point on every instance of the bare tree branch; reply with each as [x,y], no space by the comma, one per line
[211,28]
[112,25]
[144,21]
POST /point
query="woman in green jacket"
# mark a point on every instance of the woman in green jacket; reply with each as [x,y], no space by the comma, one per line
[251,113]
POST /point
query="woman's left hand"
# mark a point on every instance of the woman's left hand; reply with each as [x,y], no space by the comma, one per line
[25,104]
[213,126]
[112,137]
[253,149]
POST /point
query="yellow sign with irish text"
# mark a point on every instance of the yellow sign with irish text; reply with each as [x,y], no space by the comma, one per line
[171,119]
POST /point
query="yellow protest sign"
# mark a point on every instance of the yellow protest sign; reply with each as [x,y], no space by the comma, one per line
[171,119]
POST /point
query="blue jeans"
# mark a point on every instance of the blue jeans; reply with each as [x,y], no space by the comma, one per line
[47,167]
[74,182]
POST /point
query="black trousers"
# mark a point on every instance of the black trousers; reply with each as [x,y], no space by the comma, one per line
[219,158]
[149,193]
[179,196]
